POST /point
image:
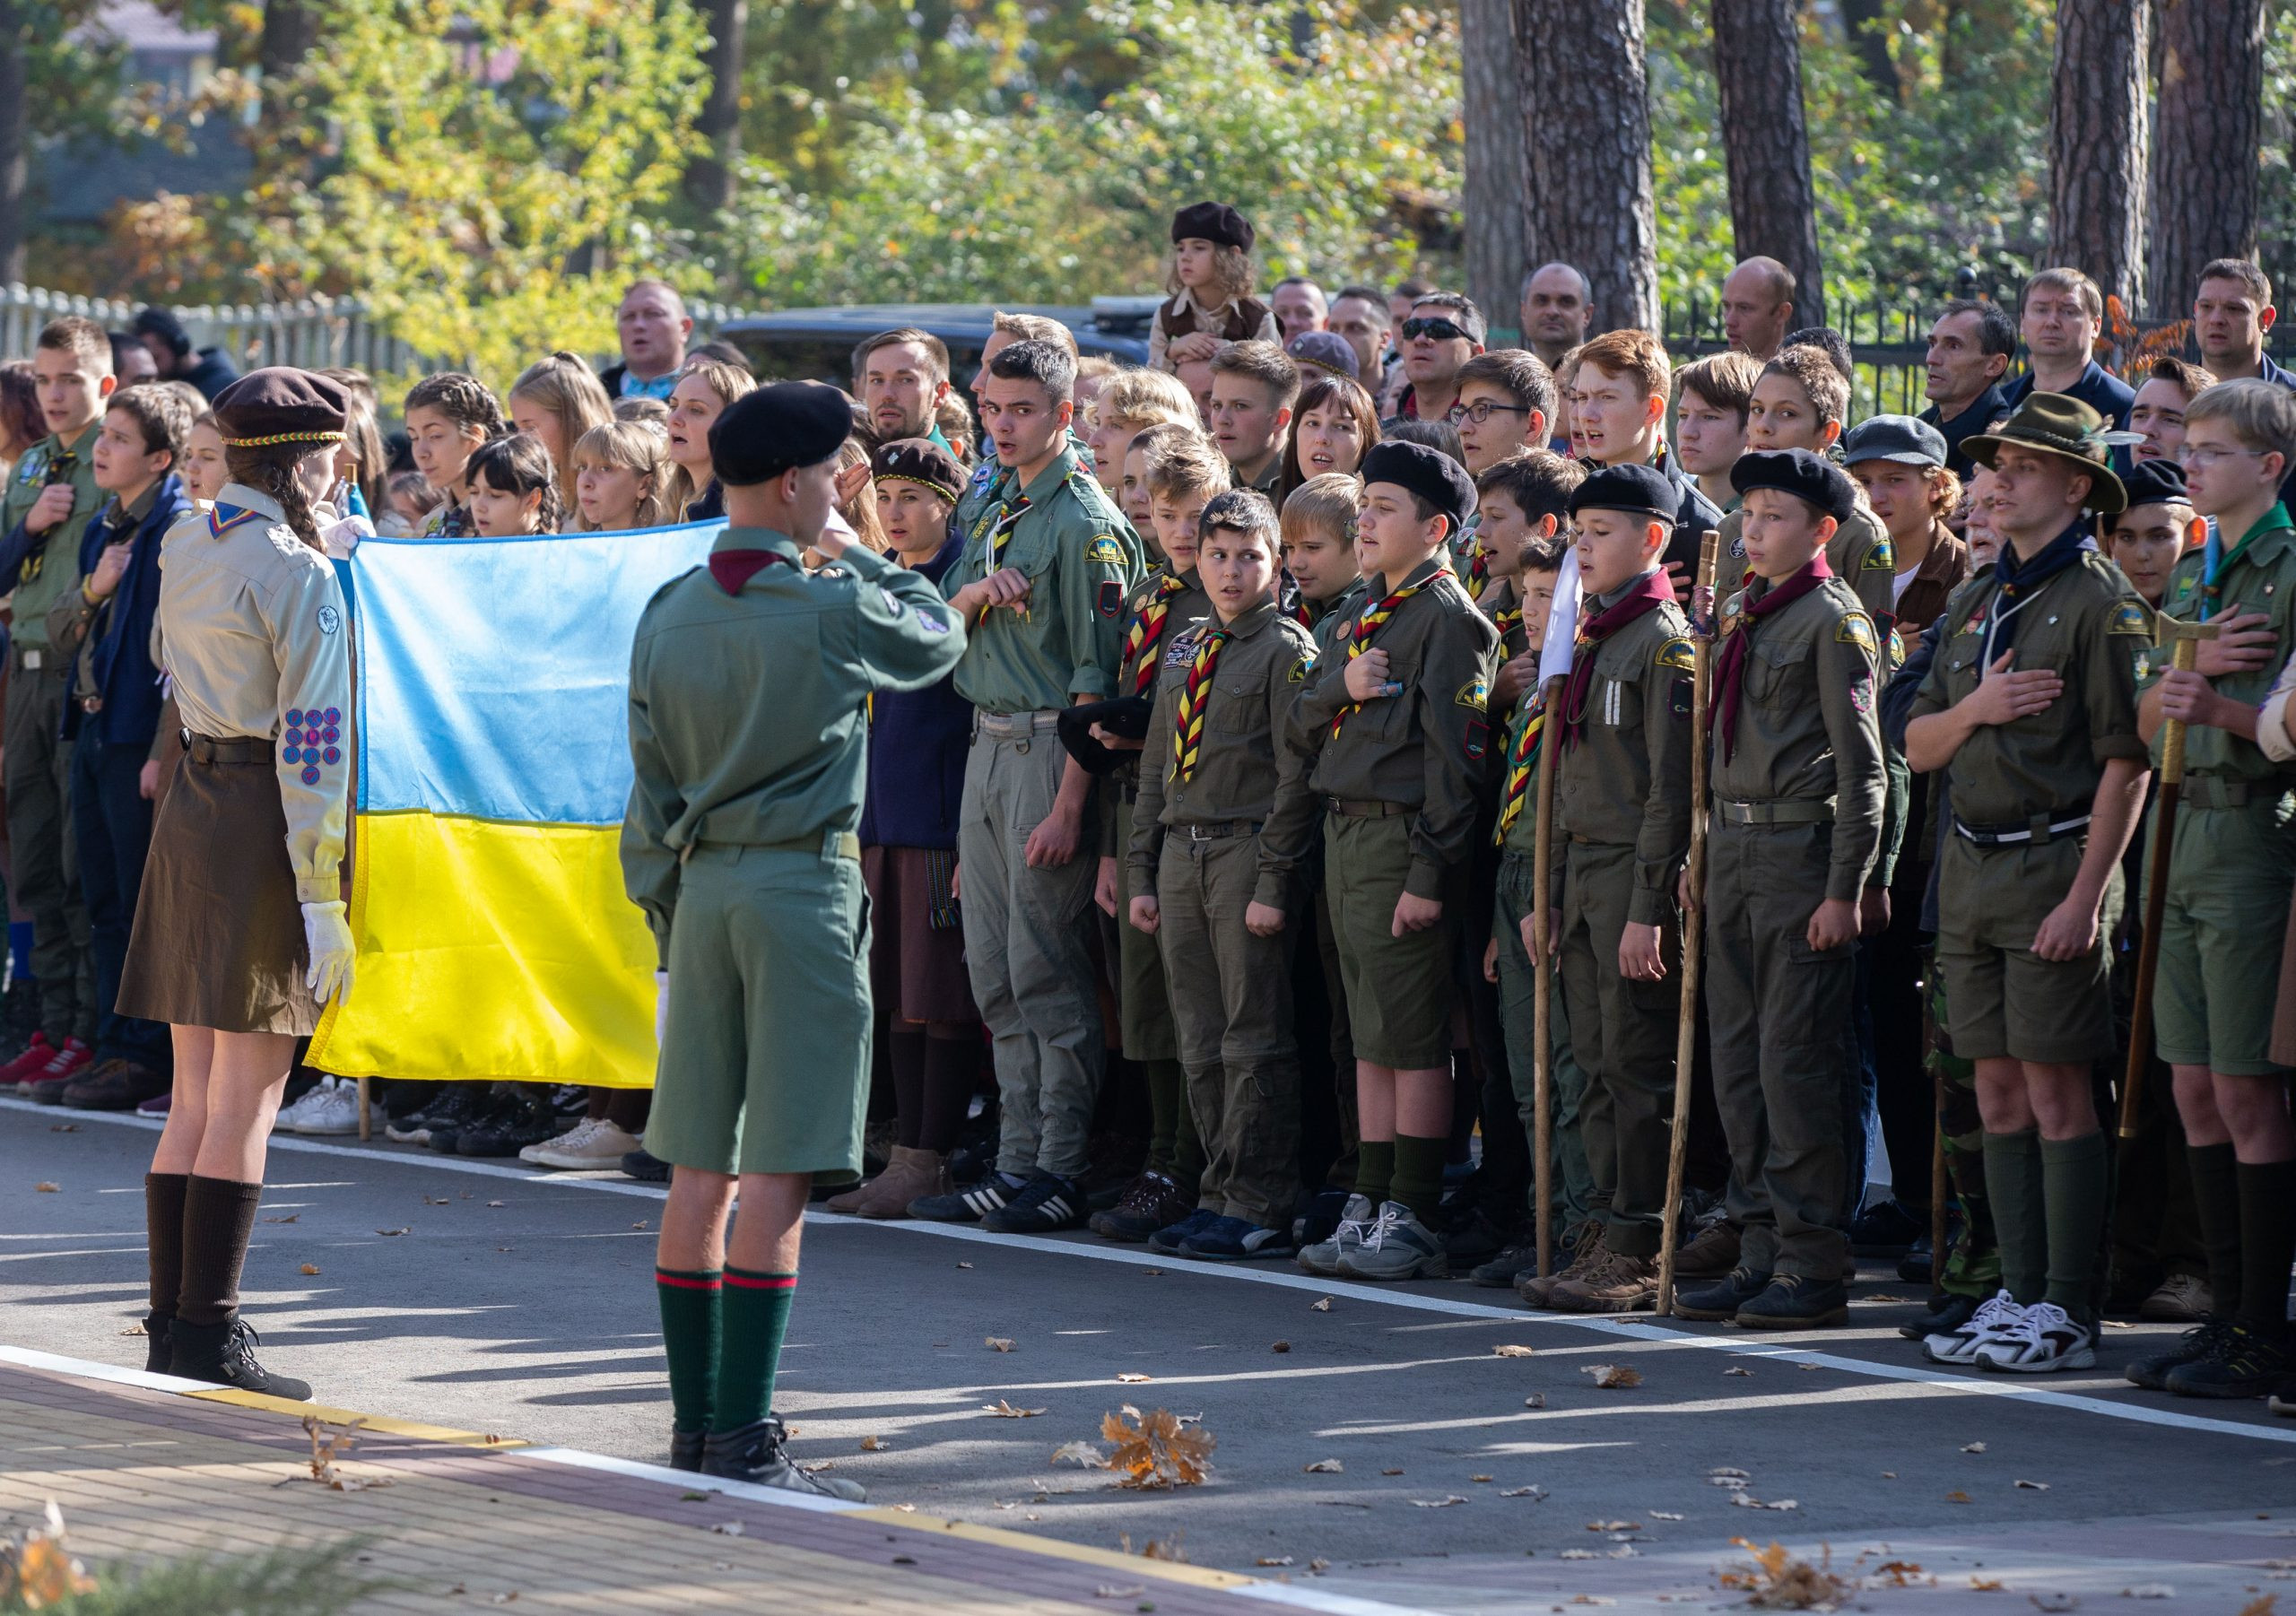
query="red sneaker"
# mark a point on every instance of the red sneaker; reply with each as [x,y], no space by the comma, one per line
[62,1066]
[18,1074]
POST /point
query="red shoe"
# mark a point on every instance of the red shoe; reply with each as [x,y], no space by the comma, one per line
[18,1074]
[62,1066]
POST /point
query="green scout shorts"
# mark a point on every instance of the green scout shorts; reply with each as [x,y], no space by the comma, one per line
[2007,1000]
[2230,872]
[1398,988]
[765,1066]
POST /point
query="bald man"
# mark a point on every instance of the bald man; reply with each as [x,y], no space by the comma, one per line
[1758,306]
[653,325]
[1558,304]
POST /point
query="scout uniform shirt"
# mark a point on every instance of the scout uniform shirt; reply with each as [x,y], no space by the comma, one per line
[1427,749]
[256,640]
[2256,574]
[1328,621]
[1062,642]
[1859,554]
[50,565]
[1243,774]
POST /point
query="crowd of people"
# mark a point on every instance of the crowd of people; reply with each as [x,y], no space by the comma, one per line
[1236,894]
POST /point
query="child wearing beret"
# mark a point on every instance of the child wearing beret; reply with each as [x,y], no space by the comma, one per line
[1211,283]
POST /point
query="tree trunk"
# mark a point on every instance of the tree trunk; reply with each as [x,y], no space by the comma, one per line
[290,31]
[1773,207]
[15,141]
[1868,24]
[2205,160]
[1494,203]
[709,181]
[2097,145]
[1587,121]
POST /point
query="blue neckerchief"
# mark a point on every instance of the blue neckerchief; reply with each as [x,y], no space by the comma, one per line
[2021,580]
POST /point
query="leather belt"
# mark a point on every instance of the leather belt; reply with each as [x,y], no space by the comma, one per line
[1347,809]
[1015,723]
[2218,791]
[235,749]
[1796,811]
[1225,828]
[2041,827]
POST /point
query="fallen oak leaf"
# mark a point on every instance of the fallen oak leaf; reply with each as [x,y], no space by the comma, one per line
[1396,1472]
[1006,1411]
[1322,1306]
[290,1218]
[2033,1486]
[1612,1376]
[1134,1378]
[1442,1503]
[1510,1351]
[1281,1346]
[872,1445]
[1478,1478]
[1157,1450]
[1536,1400]
[1972,1447]
[310,1268]
[1613,1526]
[998,1344]
[1958,1497]
[1664,1515]
[388,1233]
[1748,1373]
[1532,1491]
[1080,1453]
[46,1189]
[1274,1560]
[498,1204]
[1323,1467]
[1985,1584]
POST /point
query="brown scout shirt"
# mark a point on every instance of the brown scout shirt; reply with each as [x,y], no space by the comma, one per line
[1244,772]
[1426,750]
[1626,782]
[1859,553]
[1806,728]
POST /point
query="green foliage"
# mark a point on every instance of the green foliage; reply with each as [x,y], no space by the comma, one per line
[73,70]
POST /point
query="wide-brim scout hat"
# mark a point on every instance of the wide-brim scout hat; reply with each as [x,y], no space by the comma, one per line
[2051,423]
[282,404]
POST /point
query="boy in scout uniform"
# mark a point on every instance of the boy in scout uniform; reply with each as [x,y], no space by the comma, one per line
[1041,584]
[2031,703]
[1396,730]
[1798,785]
[2231,870]
[749,689]
[49,501]
[1623,818]
[1222,828]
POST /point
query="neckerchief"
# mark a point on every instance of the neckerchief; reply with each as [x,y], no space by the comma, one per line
[734,568]
[2021,582]
[1008,516]
[1478,577]
[1146,634]
[1729,678]
[1195,695]
[223,518]
[1522,762]
[1644,595]
[1508,618]
[1373,619]
[2216,560]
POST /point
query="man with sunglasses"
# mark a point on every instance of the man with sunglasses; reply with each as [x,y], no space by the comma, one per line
[1444,331]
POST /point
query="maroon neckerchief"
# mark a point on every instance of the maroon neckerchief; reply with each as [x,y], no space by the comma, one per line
[1730,675]
[734,568]
[1647,593]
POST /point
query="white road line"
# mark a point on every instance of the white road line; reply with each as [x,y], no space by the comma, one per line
[1979,1385]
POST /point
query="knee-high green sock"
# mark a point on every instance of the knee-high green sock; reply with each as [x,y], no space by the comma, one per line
[1419,1175]
[689,1330]
[2012,1185]
[2073,1187]
[757,1317]
[1167,1113]
[1375,1169]
[2268,1242]
[2216,1198]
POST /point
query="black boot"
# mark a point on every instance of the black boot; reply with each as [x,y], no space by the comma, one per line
[1795,1301]
[2206,1339]
[159,1351]
[224,1355]
[1949,1311]
[755,1453]
[1722,1297]
[2253,1361]
[685,1448]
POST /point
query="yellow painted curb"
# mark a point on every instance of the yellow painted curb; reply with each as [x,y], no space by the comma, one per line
[1200,1577]
[378,1423]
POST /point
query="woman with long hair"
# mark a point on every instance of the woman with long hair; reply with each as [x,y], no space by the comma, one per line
[703,390]
[1333,425]
[557,399]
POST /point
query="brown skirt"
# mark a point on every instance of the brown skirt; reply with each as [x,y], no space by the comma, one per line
[218,933]
[2283,1010]
[916,967]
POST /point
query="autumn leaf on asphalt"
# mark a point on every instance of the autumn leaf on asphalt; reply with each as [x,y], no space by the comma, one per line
[327,1446]
[872,1445]
[1281,1346]
[1134,1378]
[1082,1453]
[1957,1497]
[1396,1472]
[1612,1376]
[1156,1449]
[1746,1372]
[290,1218]
[1006,1411]
[64,1127]
[388,1233]
[438,1200]
[46,1189]
[310,1268]
[1478,1478]
[1510,1351]
[1442,1503]
[1973,1448]
[1324,1467]
[1576,1554]
[999,1344]
[1664,1515]
[498,1204]
[1533,1492]
[1273,1560]
[1322,1306]
[1536,1400]
[2034,1486]
[1613,1526]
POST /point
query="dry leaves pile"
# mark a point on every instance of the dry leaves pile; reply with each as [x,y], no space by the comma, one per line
[39,1572]
[1157,1450]
[327,1447]
[1777,1581]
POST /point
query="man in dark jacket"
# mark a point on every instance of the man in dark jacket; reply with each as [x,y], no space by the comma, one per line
[209,370]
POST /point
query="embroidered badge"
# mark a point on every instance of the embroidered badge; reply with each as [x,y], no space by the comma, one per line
[1181,649]
[1679,652]
[1299,670]
[2128,618]
[1474,695]
[1881,558]
[1105,548]
[1861,693]
[1111,599]
[893,603]
[330,620]
[1855,629]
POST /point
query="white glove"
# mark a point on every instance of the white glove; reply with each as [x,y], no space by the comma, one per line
[327,934]
[340,538]
[661,1007]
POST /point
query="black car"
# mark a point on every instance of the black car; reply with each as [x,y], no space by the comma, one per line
[816,345]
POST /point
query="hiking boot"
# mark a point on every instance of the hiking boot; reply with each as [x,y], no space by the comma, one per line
[912,1175]
[599,1149]
[1150,1201]
[114,1085]
[1397,1247]
[685,1448]
[645,1167]
[969,1205]
[2047,1339]
[2250,1363]
[1236,1240]
[224,1355]
[524,1117]
[1046,1205]
[1795,1302]
[1475,1238]
[2181,1299]
[1885,1230]
[1995,1315]
[1510,1264]
[1167,1241]
[159,1349]
[47,1085]
[17,1075]
[1723,1297]
[1585,1251]
[2206,1339]
[1711,1255]
[758,1453]
[1949,1311]
[1616,1283]
[1323,1257]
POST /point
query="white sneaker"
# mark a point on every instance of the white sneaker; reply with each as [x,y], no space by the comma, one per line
[576,1134]
[334,1111]
[290,1116]
[596,1146]
[2046,1339]
[1997,1316]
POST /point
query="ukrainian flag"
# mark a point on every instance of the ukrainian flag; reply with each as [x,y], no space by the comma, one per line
[493,685]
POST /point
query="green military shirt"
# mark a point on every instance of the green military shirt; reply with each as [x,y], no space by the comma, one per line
[53,567]
[1504,608]
[1185,610]
[2258,574]
[1244,771]
[1267,483]
[1806,729]
[2088,626]
[749,712]
[1064,533]
[1626,780]
[1427,749]
[1859,553]
[1522,836]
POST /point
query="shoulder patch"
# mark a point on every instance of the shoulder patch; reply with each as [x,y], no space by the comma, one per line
[1856,629]
[1474,695]
[1882,558]
[1111,598]
[1678,653]
[1105,548]
[1300,669]
[2128,618]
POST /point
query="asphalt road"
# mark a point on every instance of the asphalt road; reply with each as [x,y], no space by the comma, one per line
[485,1296]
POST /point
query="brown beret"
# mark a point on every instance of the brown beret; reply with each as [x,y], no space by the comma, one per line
[923,461]
[282,404]
[1213,222]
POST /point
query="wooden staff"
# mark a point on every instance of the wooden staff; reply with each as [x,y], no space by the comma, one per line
[1686,1025]
[1543,979]
[2186,639]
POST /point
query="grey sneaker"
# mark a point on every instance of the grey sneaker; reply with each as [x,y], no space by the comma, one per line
[1323,1257]
[1397,1247]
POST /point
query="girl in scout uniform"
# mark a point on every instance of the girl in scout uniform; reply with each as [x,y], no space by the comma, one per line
[240,936]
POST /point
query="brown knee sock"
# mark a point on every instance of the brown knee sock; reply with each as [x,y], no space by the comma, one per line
[218,1223]
[163,1195]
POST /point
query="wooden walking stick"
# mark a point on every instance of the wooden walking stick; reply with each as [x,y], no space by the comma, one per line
[2185,637]
[1686,1025]
[1542,983]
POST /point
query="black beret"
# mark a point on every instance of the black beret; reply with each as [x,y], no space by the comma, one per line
[2156,483]
[1643,490]
[1430,474]
[1808,477]
[923,461]
[281,405]
[764,433]
[1215,222]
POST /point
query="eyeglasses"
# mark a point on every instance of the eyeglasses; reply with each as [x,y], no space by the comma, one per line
[2204,458]
[1441,330]
[1483,409]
